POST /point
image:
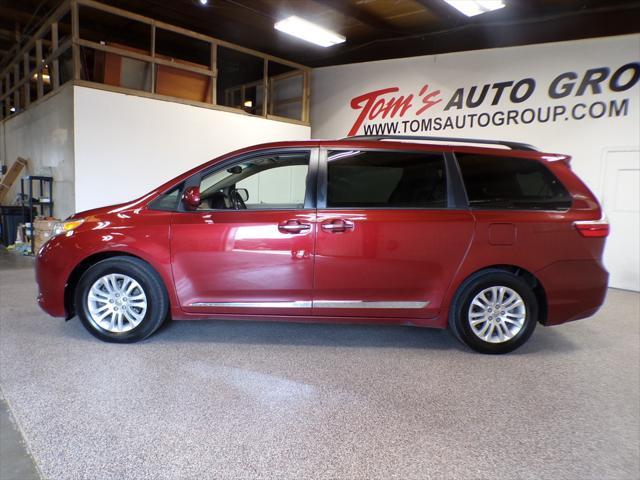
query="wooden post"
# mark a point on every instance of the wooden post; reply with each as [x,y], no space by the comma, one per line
[54,69]
[16,92]
[4,87]
[27,85]
[7,98]
[39,67]
[306,97]
[271,97]
[214,71]
[153,57]
[75,35]
[265,88]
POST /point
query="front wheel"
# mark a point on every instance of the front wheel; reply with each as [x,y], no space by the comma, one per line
[494,312]
[121,299]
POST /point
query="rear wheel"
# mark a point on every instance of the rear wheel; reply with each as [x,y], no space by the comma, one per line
[494,312]
[121,300]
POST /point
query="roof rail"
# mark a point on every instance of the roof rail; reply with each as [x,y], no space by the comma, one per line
[511,145]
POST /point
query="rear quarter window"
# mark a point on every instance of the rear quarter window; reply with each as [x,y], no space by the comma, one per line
[496,182]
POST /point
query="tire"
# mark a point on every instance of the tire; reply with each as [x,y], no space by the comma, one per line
[127,293]
[474,308]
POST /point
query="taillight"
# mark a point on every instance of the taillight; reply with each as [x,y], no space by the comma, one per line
[593,228]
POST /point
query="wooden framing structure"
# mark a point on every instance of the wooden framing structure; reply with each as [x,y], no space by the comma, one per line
[230,93]
[16,79]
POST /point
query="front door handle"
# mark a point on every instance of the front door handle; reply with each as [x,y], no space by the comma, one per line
[293,226]
[337,225]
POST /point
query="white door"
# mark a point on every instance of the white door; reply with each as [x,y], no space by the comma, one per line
[621,201]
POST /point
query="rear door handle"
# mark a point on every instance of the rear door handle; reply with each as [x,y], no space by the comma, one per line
[293,226]
[337,225]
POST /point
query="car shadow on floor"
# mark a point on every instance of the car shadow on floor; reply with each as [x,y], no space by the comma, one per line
[544,340]
[313,334]
[343,335]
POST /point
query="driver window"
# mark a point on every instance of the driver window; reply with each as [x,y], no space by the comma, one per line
[273,181]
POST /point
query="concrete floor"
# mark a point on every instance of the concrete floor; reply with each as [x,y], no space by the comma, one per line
[15,461]
[266,400]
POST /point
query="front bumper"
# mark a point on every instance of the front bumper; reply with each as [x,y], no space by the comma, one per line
[52,272]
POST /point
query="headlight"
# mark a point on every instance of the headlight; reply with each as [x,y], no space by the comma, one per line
[67,226]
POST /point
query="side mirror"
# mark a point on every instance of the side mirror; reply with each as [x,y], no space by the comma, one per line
[243,193]
[191,198]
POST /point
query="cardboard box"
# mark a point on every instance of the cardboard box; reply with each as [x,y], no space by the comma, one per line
[43,227]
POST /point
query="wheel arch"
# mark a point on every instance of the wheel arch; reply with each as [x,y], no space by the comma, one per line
[535,284]
[88,262]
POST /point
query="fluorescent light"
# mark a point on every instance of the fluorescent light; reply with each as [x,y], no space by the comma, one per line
[308,31]
[475,7]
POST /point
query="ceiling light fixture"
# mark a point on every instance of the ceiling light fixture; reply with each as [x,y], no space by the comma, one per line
[203,2]
[308,31]
[471,8]
[46,78]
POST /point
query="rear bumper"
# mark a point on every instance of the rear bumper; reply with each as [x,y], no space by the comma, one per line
[574,289]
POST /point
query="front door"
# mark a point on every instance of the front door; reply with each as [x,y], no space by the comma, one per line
[389,236]
[248,249]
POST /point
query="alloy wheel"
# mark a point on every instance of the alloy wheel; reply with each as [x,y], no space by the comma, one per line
[116,303]
[497,314]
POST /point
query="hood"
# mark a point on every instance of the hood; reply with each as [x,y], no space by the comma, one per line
[119,207]
[96,211]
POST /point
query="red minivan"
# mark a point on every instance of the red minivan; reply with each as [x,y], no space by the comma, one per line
[488,238]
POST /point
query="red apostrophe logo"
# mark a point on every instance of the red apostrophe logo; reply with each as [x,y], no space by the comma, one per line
[379,104]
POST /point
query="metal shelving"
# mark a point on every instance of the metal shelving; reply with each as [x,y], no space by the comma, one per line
[28,203]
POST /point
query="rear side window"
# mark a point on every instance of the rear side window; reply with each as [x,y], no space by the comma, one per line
[508,182]
[381,179]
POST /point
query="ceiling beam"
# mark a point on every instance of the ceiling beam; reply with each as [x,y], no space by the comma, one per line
[13,14]
[14,18]
[223,20]
[8,35]
[350,10]
[449,16]
[602,22]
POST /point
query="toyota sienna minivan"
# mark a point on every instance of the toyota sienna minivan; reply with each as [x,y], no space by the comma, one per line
[487,238]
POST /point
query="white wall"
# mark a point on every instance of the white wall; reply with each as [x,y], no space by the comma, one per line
[282,185]
[44,136]
[126,145]
[587,139]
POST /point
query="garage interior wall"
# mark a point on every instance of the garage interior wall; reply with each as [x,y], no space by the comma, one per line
[597,126]
[127,145]
[103,148]
[44,136]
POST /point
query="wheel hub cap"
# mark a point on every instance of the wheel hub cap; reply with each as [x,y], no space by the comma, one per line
[497,314]
[116,303]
